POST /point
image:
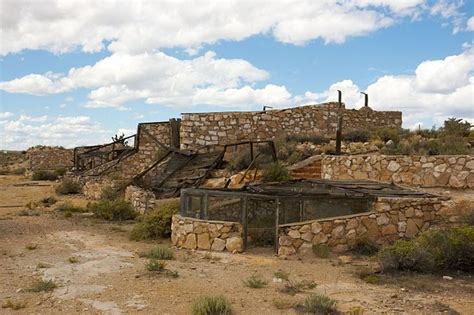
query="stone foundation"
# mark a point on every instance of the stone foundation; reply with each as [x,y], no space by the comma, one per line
[92,188]
[142,200]
[49,158]
[455,171]
[389,220]
[217,236]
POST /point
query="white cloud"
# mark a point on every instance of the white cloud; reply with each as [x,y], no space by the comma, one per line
[68,131]
[438,89]
[159,79]
[4,115]
[470,24]
[144,26]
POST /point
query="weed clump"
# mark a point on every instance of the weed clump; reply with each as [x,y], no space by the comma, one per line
[155,223]
[110,193]
[255,282]
[43,286]
[282,275]
[117,210]
[73,260]
[360,135]
[321,250]
[159,252]
[48,201]
[31,246]
[44,175]
[211,305]
[275,172]
[432,251]
[319,304]
[365,247]
[156,265]
[68,187]
[67,207]
[292,288]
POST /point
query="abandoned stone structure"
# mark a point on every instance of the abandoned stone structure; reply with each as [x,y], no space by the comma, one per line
[293,216]
[198,129]
[49,158]
[455,171]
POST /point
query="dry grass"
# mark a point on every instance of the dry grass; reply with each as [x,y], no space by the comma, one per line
[14,305]
[43,286]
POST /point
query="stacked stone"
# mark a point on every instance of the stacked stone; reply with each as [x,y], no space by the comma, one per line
[206,235]
[142,200]
[49,158]
[92,188]
[198,129]
[391,219]
[456,171]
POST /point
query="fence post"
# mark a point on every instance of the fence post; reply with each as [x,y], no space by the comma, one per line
[244,219]
[277,230]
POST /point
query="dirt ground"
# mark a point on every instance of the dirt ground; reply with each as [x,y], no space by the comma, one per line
[107,276]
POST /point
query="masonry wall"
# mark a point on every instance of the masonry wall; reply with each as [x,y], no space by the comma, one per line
[389,220]
[142,200]
[218,236]
[146,152]
[456,171]
[198,129]
[49,158]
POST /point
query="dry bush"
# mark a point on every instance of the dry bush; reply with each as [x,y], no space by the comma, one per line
[68,187]
[155,223]
[211,305]
[117,210]
[255,282]
[319,304]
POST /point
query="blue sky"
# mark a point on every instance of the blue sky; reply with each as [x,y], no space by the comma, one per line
[72,79]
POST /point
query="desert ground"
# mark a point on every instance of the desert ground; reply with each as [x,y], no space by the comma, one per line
[98,270]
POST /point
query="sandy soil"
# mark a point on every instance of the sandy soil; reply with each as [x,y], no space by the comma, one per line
[109,277]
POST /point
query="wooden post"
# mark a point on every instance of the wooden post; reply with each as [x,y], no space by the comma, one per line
[174,133]
[339,124]
[204,206]
[251,151]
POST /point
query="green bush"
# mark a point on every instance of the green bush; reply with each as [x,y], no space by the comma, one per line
[110,193]
[321,250]
[155,265]
[255,282]
[275,172]
[456,127]
[48,201]
[359,135]
[160,252]
[386,134]
[314,138]
[211,305]
[67,207]
[319,304]
[432,251]
[156,223]
[45,175]
[60,171]
[68,187]
[117,210]
[365,247]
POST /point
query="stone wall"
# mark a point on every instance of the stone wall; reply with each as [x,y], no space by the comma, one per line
[142,200]
[199,129]
[456,171]
[92,187]
[147,150]
[49,158]
[390,219]
[218,236]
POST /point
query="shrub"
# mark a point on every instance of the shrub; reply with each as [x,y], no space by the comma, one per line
[43,286]
[456,127]
[275,172]
[69,208]
[109,193]
[319,304]
[117,210]
[155,265]
[386,134]
[314,138]
[365,247]
[293,287]
[255,282]
[321,250]
[18,171]
[68,187]
[432,251]
[60,171]
[73,260]
[44,175]
[160,252]
[156,223]
[359,135]
[211,305]
[48,201]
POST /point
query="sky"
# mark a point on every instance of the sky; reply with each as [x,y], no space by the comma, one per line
[78,72]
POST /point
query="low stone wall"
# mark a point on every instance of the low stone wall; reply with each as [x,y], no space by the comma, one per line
[49,158]
[206,235]
[390,219]
[92,188]
[456,171]
[142,200]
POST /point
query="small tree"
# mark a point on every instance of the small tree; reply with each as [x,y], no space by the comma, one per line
[120,139]
[456,127]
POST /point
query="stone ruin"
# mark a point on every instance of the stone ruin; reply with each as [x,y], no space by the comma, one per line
[295,215]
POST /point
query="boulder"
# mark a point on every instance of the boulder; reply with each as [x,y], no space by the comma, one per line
[190,241]
[234,244]
[203,241]
[218,245]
